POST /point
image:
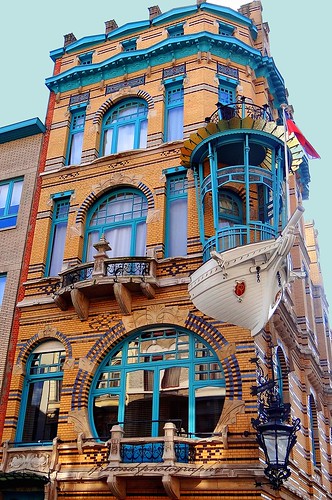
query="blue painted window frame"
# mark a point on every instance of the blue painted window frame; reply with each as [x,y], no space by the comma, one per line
[12,190]
[3,279]
[129,45]
[38,373]
[117,118]
[133,218]
[235,214]
[185,350]
[175,30]
[226,93]
[61,206]
[76,135]
[86,58]
[176,195]
[174,111]
[225,29]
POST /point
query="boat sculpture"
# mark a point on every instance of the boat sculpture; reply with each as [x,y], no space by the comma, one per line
[243,285]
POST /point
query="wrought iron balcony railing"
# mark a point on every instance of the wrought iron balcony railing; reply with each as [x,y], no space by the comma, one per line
[122,275]
[242,108]
[112,268]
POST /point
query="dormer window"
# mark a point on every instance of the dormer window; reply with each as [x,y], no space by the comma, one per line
[85,58]
[129,45]
[176,30]
[225,29]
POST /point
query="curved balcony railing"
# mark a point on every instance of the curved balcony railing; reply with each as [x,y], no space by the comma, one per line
[234,236]
[237,173]
[79,273]
[242,108]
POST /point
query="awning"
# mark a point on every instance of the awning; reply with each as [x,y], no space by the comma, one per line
[28,478]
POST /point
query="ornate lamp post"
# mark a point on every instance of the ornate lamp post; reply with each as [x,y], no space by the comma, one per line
[276,435]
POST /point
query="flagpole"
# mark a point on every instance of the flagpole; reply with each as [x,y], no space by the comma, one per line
[283,107]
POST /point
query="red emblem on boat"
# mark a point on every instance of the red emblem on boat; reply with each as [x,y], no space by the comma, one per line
[239,288]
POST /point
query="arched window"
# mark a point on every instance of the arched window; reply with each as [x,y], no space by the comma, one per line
[158,375]
[230,208]
[121,217]
[39,412]
[125,127]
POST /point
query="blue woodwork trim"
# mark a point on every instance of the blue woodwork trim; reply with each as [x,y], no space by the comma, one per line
[55,221]
[64,194]
[9,212]
[75,111]
[105,225]
[180,176]
[167,17]
[127,365]
[174,80]
[173,15]
[20,130]
[28,380]
[174,170]
[137,119]
[128,29]
[167,50]
[82,43]
[231,15]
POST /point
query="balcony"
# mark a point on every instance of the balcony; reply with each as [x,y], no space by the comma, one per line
[242,108]
[119,277]
[238,235]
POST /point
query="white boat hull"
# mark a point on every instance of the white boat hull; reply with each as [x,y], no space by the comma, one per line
[243,286]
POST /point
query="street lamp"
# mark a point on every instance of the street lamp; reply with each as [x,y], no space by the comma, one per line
[276,435]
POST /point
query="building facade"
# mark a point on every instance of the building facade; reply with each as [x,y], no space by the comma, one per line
[20,147]
[168,166]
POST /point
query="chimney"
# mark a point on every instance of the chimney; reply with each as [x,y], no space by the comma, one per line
[199,2]
[69,38]
[110,26]
[154,12]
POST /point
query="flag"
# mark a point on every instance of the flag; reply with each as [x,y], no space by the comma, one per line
[293,128]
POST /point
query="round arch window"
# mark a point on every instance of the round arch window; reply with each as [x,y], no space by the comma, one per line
[121,217]
[40,404]
[125,127]
[158,375]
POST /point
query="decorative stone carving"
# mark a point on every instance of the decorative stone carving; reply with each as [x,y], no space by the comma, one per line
[156,314]
[69,363]
[153,215]
[118,178]
[230,410]
[86,365]
[80,420]
[47,331]
[29,461]
[227,351]
[19,369]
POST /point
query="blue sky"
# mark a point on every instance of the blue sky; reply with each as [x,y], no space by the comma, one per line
[299,45]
